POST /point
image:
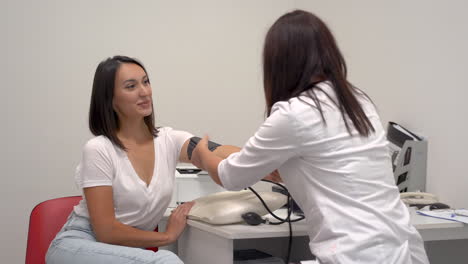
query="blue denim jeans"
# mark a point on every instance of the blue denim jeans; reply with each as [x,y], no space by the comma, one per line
[76,243]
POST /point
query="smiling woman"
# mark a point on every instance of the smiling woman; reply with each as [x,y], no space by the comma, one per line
[132,96]
[126,174]
[120,85]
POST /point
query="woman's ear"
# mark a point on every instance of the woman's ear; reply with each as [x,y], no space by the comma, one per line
[116,111]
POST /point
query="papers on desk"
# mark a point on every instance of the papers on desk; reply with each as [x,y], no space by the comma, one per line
[458,215]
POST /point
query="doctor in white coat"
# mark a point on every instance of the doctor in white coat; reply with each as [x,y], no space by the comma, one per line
[326,139]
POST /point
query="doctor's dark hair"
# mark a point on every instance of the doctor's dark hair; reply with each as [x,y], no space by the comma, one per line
[300,52]
[103,119]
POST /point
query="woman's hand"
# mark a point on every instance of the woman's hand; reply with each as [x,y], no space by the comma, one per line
[274,177]
[178,220]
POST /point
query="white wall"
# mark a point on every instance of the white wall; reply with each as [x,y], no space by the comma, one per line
[203,58]
[204,61]
[410,57]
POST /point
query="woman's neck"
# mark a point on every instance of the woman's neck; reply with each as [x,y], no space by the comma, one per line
[135,131]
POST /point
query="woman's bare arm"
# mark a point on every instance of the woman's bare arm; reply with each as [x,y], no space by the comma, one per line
[222,151]
[109,230]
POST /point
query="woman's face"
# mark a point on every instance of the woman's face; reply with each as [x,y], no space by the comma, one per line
[132,92]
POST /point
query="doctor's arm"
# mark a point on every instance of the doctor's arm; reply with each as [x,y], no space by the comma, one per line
[215,153]
[278,139]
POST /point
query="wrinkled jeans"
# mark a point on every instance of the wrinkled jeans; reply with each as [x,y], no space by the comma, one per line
[76,243]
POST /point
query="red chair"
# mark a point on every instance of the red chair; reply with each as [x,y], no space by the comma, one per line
[46,220]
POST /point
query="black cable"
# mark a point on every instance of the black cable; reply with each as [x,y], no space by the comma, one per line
[266,206]
[290,230]
[273,214]
[281,220]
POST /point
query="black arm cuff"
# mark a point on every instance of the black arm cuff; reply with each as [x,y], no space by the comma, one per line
[194,142]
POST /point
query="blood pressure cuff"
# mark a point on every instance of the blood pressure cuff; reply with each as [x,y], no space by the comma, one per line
[194,142]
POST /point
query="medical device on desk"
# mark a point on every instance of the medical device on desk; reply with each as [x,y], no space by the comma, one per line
[409,158]
[409,161]
[418,198]
[191,183]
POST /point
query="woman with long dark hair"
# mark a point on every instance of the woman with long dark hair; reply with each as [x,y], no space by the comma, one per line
[126,175]
[326,139]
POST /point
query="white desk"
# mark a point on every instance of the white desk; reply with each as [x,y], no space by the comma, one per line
[205,243]
[432,229]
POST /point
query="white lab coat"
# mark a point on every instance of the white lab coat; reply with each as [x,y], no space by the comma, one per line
[344,184]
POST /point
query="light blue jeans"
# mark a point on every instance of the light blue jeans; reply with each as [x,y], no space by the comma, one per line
[76,243]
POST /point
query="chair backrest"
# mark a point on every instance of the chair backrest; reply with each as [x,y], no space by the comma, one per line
[46,220]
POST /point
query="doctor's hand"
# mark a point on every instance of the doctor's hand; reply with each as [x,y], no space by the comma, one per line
[274,177]
[178,220]
[199,151]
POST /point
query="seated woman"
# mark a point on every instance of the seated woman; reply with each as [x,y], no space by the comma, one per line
[126,174]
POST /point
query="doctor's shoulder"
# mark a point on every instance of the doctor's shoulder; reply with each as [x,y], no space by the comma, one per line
[295,109]
[283,118]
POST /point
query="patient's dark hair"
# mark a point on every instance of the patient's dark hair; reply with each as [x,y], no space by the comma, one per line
[300,52]
[103,120]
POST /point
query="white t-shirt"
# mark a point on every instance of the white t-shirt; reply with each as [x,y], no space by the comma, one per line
[135,203]
[344,184]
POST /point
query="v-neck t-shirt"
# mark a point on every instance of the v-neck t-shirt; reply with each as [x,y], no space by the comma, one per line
[135,203]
